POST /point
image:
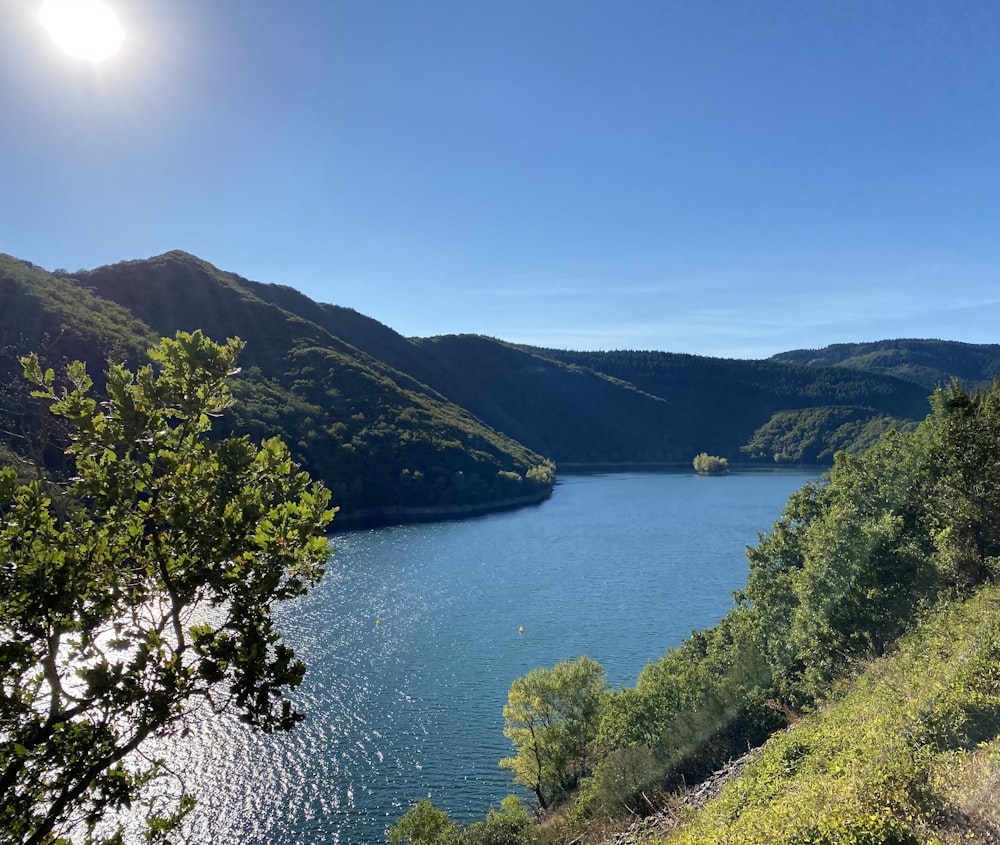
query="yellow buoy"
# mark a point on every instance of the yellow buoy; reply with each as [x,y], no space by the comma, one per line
[378,621]
[520,630]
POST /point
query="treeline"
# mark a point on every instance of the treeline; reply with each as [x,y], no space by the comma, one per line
[667,374]
[849,567]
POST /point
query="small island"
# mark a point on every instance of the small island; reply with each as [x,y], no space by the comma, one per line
[705,464]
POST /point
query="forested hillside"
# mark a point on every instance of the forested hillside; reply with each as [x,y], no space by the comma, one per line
[459,423]
[892,565]
[387,446]
[47,312]
[744,409]
[930,363]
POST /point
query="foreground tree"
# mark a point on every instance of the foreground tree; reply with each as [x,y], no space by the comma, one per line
[551,716]
[425,824]
[511,825]
[143,592]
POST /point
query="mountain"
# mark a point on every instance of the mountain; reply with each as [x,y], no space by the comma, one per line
[388,447]
[400,427]
[929,363]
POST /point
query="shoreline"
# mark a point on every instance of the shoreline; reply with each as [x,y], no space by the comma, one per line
[367,518]
[407,515]
[637,466]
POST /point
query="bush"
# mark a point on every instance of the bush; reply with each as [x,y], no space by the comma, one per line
[626,778]
[705,464]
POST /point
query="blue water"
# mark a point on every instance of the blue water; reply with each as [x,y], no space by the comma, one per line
[412,641]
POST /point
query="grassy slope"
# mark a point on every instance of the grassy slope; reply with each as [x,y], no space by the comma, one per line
[908,753]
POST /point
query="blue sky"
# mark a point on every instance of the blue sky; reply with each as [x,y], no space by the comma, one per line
[723,178]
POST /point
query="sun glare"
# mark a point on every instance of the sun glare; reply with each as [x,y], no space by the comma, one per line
[85,29]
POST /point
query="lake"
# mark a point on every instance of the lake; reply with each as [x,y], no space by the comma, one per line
[413,638]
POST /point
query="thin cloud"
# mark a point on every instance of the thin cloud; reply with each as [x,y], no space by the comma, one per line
[759,308]
[535,292]
[775,323]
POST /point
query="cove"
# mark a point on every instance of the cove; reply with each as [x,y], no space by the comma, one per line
[414,636]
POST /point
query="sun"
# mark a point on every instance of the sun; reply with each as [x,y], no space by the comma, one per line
[85,29]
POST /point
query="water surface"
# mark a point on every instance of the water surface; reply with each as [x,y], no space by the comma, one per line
[412,641]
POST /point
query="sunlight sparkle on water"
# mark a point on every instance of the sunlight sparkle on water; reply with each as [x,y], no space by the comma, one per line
[619,567]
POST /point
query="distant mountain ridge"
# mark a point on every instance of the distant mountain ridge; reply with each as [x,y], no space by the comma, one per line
[929,363]
[463,423]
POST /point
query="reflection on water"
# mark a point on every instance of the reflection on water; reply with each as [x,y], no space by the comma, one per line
[412,641]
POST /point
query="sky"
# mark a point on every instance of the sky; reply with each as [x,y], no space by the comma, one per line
[730,178]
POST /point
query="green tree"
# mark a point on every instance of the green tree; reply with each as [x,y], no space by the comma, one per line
[868,563]
[965,502]
[143,591]
[551,717]
[425,824]
[706,464]
[513,825]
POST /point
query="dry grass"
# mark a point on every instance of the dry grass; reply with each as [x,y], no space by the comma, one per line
[970,784]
